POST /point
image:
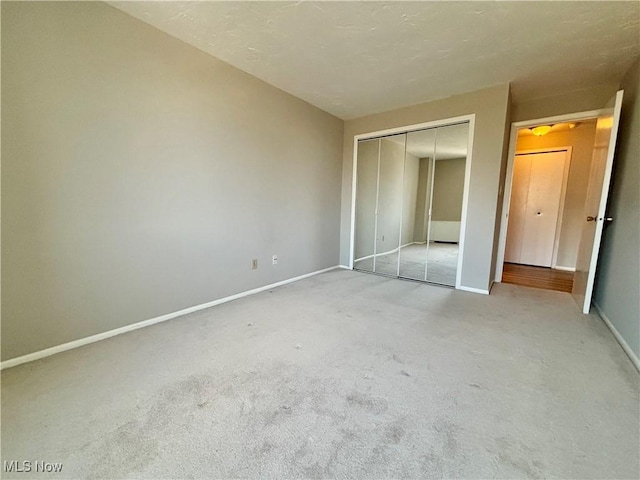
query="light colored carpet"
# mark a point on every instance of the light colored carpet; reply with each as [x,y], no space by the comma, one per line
[440,261]
[343,375]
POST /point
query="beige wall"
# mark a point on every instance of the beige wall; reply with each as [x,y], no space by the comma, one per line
[490,106]
[617,290]
[423,201]
[140,176]
[581,139]
[582,100]
[503,174]
[410,197]
[448,187]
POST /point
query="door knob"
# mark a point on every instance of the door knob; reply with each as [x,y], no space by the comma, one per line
[608,219]
[591,219]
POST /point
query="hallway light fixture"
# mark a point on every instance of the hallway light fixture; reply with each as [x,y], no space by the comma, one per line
[541,130]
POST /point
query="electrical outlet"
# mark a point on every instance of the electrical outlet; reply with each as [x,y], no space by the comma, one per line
[254,264]
[274,259]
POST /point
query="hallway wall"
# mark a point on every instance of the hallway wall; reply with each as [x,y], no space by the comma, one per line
[581,138]
[617,290]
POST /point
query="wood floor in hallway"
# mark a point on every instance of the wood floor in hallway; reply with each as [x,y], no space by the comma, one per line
[538,277]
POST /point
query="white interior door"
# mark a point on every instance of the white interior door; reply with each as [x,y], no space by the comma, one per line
[535,205]
[596,202]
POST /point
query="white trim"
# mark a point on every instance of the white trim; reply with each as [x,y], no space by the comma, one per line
[375,218]
[616,112]
[473,290]
[344,267]
[625,346]
[506,199]
[564,269]
[401,222]
[354,176]
[47,352]
[431,178]
[385,253]
[471,118]
[388,252]
[417,126]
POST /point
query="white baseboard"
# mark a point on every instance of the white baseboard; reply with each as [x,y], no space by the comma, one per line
[473,290]
[565,269]
[388,252]
[345,267]
[625,346]
[47,352]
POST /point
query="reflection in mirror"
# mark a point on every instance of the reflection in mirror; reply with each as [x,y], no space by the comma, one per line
[416,203]
[366,198]
[389,217]
[446,203]
[409,192]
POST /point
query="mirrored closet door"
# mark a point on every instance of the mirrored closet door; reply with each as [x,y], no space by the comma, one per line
[409,190]
[387,241]
[366,201]
[417,200]
[446,203]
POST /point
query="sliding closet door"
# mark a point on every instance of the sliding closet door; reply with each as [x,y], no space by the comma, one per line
[389,218]
[416,204]
[366,199]
[446,203]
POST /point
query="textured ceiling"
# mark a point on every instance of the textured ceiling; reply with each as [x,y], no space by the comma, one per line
[357,58]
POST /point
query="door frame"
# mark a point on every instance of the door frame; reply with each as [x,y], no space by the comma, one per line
[568,151]
[471,118]
[506,199]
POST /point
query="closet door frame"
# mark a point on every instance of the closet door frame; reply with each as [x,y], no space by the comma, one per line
[471,118]
[568,151]
[506,198]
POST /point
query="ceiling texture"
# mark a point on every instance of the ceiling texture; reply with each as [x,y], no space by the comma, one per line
[357,58]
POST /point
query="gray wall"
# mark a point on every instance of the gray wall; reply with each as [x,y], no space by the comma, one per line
[580,100]
[410,197]
[448,187]
[423,202]
[491,109]
[140,176]
[506,132]
[617,292]
[581,139]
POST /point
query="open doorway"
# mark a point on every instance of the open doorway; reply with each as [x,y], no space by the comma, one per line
[541,203]
[548,192]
